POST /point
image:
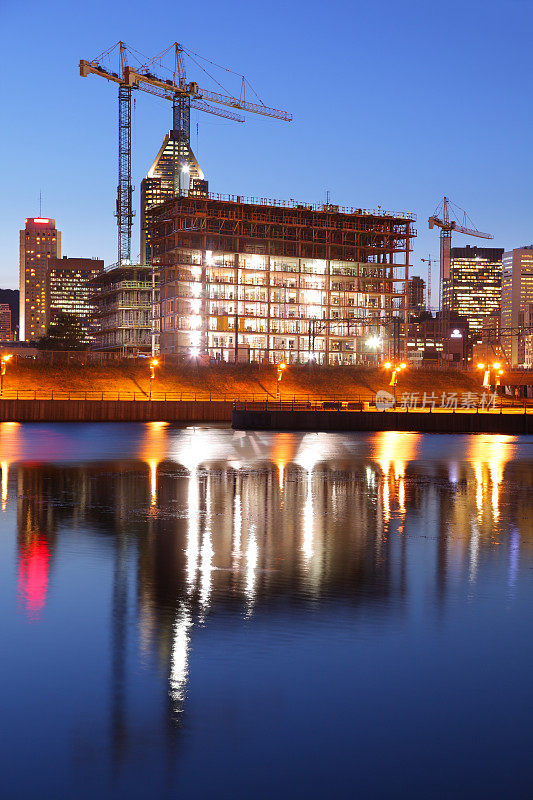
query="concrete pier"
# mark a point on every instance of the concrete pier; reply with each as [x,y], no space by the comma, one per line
[507,422]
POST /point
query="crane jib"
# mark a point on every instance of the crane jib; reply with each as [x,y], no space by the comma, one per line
[127,79]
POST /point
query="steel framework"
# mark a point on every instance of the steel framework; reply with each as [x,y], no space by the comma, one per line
[276,280]
[124,211]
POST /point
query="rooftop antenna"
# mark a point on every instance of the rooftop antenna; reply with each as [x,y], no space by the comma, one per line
[327,197]
[40,204]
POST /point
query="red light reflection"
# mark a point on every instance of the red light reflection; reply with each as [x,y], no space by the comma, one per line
[33,577]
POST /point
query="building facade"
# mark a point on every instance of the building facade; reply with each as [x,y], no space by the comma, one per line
[68,290]
[438,339]
[6,333]
[517,291]
[474,288]
[490,347]
[528,335]
[124,297]
[272,281]
[39,242]
[416,294]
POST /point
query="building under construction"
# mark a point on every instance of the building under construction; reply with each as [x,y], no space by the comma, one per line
[264,280]
[250,280]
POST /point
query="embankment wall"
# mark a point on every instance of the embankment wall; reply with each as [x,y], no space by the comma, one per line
[185,411]
[443,422]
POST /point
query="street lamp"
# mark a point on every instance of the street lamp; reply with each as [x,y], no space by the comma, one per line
[281,369]
[496,368]
[153,364]
[3,363]
[395,369]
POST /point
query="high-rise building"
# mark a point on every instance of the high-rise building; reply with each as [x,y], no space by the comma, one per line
[174,171]
[68,290]
[39,242]
[242,280]
[6,333]
[474,287]
[517,291]
[528,335]
[416,291]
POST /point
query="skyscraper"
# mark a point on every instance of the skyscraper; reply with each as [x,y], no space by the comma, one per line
[517,290]
[474,287]
[173,172]
[39,242]
[68,291]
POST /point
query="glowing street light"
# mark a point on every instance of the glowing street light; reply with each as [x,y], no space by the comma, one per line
[3,365]
[496,367]
[281,369]
[396,368]
[374,343]
[153,364]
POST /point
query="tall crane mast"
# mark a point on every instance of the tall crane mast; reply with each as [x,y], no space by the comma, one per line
[183,96]
[429,261]
[443,218]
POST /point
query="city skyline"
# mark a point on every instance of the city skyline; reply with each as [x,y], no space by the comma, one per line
[406,165]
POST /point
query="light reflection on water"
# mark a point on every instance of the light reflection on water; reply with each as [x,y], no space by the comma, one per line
[191,534]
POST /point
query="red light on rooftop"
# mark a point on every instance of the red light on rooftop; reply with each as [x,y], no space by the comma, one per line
[41,221]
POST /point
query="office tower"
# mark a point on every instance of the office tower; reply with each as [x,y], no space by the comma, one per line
[39,242]
[416,291]
[528,335]
[517,291]
[174,171]
[474,287]
[6,334]
[242,280]
[68,290]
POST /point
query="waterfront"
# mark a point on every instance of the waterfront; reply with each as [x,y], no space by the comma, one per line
[214,613]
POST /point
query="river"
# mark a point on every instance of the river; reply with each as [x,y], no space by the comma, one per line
[203,613]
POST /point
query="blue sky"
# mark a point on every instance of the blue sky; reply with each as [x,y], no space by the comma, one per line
[394,104]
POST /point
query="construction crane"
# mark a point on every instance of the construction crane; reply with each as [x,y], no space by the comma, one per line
[429,261]
[443,218]
[183,96]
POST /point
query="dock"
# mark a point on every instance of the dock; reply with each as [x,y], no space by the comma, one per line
[511,421]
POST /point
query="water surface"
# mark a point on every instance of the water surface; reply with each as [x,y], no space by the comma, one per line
[203,613]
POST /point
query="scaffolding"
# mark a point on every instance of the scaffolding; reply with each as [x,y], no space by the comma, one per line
[274,281]
[123,297]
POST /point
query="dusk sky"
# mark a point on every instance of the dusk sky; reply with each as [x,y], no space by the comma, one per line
[394,104]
